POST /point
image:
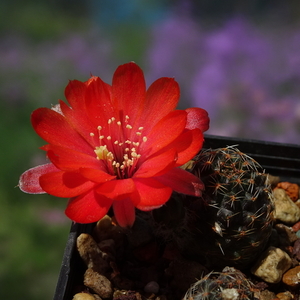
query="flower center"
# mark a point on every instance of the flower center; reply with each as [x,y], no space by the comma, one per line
[119,147]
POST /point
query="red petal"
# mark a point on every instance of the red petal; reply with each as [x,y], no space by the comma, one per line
[117,189]
[187,145]
[65,184]
[158,164]
[161,98]
[53,128]
[182,181]
[29,180]
[74,93]
[70,160]
[150,194]
[197,118]
[124,212]
[81,122]
[128,92]
[164,132]
[88,208]
[96,175]
[99,106]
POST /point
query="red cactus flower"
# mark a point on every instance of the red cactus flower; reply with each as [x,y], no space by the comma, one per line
[117,145]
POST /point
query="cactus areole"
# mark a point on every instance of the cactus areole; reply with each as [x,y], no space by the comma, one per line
[235,219]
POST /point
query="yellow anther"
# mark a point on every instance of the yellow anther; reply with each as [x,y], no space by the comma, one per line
[101,152]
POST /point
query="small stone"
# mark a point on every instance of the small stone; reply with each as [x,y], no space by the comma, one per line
[285,296]
[296,250]
[285,209]
[106,229]
[83,296]
[108,247]
[273,180]
[271,265]
[91,254]
[296,227]
[98,283]
[291,189]
[151,287]
[230,294]
[126,295]
[292,277]
[286,234]
[267,295]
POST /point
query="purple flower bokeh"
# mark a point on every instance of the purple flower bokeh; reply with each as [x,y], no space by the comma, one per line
[37,72]
[246,77]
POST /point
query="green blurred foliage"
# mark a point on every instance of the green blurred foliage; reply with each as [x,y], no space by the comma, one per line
[32,240]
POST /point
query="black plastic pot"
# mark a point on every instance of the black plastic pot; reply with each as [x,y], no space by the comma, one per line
[277,159]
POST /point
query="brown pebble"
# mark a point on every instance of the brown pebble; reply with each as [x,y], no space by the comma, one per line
[91,254]
[285,296]
[291,189]
[296,250]
[286,234]
[98,283]
[267,295]
[296,226]
[83,296]
[292,277]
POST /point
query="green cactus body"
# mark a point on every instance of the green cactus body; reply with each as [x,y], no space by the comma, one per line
[230,284]
[233,220]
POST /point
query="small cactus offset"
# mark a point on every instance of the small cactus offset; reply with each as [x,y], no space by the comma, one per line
[230,284]
[233,220]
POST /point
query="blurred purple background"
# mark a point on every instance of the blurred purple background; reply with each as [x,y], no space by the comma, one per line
[244,70]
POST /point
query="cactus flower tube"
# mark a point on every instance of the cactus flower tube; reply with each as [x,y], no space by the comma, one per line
[118,146]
